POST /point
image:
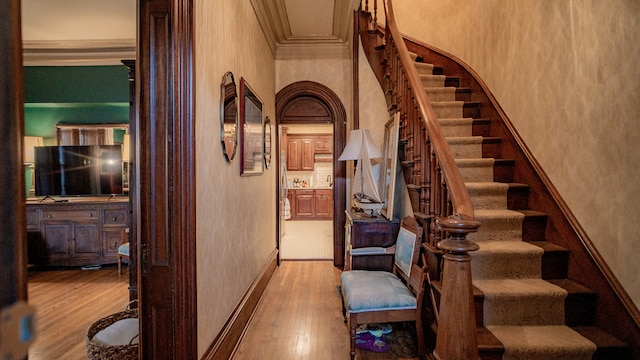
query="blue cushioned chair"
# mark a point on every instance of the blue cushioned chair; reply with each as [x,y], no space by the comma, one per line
[382,297]
[123,250]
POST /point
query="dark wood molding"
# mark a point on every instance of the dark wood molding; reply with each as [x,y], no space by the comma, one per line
[225,343]
[317,93]
[13,227]
[166,179]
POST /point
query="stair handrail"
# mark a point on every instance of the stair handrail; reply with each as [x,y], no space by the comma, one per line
[456,338]
[460,199]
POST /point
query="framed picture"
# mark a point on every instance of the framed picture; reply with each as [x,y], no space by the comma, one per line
[389,168]
[267,142]
[251,132]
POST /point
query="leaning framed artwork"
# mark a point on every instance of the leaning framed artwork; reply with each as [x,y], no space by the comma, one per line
[251,132]
[389,168]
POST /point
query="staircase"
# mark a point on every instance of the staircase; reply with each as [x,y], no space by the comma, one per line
[539,291]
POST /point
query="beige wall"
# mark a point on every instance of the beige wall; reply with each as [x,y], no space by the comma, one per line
[566,74]
[235,215]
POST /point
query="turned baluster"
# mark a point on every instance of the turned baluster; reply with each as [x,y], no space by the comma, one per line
[457,324]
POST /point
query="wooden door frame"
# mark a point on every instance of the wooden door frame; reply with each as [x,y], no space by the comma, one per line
[165,169]
[13,227]
[338,116]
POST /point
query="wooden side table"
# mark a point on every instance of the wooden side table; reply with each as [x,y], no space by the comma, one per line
[365,231]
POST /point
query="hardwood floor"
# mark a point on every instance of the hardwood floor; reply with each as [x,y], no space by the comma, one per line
[300,317]
[67,302]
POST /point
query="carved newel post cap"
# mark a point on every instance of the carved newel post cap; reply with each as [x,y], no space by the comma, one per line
[458,229]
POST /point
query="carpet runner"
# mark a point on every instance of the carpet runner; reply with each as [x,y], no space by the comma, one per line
[523,311]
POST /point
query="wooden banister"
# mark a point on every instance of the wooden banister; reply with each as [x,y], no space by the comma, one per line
[459,197]
[437,192]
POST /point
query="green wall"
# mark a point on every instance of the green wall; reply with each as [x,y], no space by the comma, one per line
[73,95]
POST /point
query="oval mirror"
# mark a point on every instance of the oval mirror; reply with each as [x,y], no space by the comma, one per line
[229,116]
[267,142]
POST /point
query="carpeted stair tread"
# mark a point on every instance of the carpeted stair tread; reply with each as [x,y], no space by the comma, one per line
[488,195]
[498,224]
[441,93]
[506,260]
[476,170]
[465,147]
[543,342]
[432,80]
[448,109]
[456,127]
[424,68]
[521,302]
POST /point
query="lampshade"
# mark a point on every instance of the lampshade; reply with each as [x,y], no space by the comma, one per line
[357,139]
[30,142]
[125,148]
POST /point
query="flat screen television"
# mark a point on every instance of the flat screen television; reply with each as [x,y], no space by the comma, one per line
[78,170]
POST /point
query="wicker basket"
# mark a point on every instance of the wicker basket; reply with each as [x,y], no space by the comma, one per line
[96,351]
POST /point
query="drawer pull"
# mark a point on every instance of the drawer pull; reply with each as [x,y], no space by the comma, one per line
[115,219]
[49,216]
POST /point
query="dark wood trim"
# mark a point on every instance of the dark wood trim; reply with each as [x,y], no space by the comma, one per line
[133,199]
[166,179]
[356,68]
[227,340]
[326,96]
[13,227]
[616,311]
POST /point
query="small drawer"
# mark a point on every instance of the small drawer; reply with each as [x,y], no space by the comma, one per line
[114,217]
[33,220]
[71,215]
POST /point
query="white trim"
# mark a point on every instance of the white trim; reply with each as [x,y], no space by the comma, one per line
[78,52]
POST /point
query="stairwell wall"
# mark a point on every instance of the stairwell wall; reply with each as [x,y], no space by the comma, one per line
[565,73]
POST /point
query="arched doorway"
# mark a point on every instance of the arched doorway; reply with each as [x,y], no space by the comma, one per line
[308,102]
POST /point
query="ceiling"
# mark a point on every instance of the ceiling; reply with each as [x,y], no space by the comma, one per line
[56,32]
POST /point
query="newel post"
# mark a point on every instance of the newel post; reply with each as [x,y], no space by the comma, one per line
[457,322]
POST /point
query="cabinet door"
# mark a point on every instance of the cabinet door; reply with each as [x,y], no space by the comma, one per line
[307,154]
[293,154]
[56,236]
[324,145]
[85,239]
[324,204]
[304,204]
[111,240]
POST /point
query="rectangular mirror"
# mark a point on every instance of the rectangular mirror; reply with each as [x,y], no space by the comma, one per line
[251,132]
[389,168]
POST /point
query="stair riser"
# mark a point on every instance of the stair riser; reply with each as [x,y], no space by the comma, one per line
[534,228]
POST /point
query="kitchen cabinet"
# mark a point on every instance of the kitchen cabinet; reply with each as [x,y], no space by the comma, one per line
[311,204]
[302,148]
[365,231]
[323,199]
[323,144]
[75,233]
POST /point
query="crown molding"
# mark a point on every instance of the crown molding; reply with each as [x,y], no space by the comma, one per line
[275,23]
[77,52]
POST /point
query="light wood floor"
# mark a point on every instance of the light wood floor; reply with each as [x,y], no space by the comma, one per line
[67,302]
[300,317]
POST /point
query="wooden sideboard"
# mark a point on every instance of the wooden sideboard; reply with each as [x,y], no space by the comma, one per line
[365,231]
[76,232]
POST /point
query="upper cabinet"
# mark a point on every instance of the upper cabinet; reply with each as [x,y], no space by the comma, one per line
[302,148]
